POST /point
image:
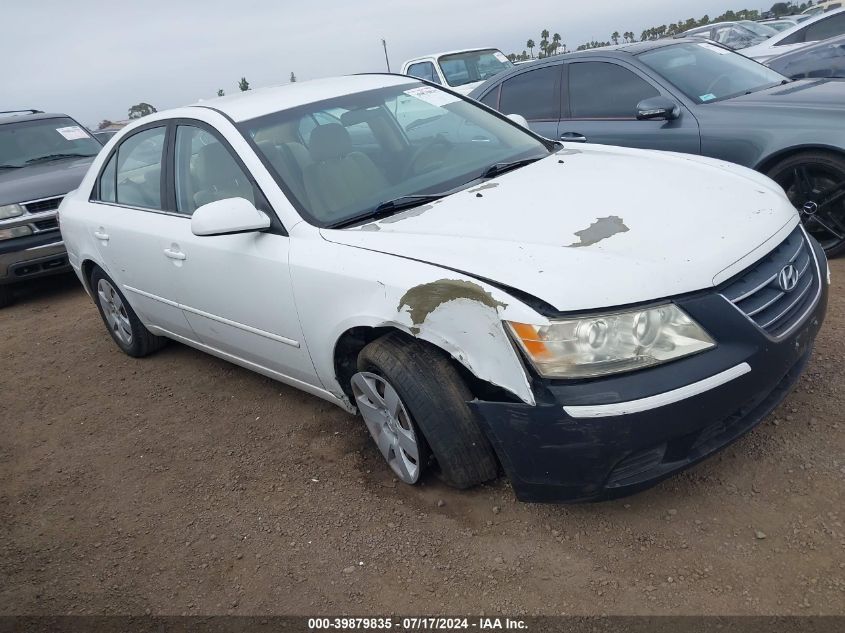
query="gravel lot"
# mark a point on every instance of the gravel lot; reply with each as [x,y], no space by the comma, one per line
[183,484]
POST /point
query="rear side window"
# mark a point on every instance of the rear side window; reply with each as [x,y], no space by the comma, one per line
[139,160]
[424,70]
[601,90]
[532,94]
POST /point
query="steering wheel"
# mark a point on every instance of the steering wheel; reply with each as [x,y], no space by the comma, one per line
[427,154]
[715,83]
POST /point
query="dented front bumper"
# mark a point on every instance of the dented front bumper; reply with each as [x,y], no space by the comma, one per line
[637,429]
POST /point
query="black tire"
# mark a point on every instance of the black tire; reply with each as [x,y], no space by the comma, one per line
[5,296]
[814,181]
[142,343]
[436,397]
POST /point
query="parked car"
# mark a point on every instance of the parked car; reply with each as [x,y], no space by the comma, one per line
[735,35]
[822,7]
[103,135]
[42,157]
[782,23]
[697,98]
[823,59]
[460,70]
[508,302]
[819,27]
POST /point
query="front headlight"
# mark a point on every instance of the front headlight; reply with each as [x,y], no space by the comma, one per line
[10,211]
[610,343]
[15,231]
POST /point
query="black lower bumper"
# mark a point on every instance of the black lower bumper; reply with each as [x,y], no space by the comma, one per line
[550,456]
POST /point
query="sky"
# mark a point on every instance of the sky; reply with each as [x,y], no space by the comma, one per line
[94,59]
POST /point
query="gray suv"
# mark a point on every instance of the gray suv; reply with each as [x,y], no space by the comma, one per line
[42,157]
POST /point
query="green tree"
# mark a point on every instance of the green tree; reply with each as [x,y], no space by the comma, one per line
[555,42]
[243,84]
[140,110]
[615,37]
[104,124]
[220,93]
[544,42]
[530,45]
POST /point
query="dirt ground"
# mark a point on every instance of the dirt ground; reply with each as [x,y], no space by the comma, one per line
[183,484]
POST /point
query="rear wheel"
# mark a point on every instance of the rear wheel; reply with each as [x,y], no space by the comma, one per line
[815,183]
[414,404]
[120,319]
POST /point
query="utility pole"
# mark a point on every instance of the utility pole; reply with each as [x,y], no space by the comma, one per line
[384,44]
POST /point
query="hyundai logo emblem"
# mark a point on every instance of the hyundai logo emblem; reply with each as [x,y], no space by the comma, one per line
[788,277]
[810,208]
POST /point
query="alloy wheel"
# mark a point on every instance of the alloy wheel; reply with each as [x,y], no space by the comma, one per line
[390,425]
[114,312]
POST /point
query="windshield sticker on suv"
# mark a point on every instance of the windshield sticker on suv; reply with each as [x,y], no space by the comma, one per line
[711,47]
[500,56]
[708,97]
[72,132]
[432,95]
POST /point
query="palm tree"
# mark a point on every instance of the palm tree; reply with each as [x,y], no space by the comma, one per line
[556,41]
[544,46]
[615,37]
[530,44]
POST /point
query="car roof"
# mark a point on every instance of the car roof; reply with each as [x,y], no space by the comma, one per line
[261,101]
[455,52]
[31,116]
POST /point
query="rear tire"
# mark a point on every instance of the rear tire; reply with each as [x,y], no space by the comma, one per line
[120,319]
[436,397]
[5,296]
[814,181]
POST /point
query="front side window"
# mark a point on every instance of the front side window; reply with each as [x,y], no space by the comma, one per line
[472,66]
[532,94]
[424,70]
[601,90]
[383,144]
[206,171]
[139,160]
[42,140]
[706,73]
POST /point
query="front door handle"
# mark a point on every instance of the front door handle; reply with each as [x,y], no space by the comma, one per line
[100,234]
[573,137]
[175,254]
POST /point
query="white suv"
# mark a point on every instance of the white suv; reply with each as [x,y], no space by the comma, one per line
[589,320]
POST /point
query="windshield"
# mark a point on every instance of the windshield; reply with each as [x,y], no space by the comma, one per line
[472,66]
[29,142]
[707,73]
[763,30]
[341,158]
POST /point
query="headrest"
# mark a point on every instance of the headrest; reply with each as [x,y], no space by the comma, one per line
[329,141]
[215,160]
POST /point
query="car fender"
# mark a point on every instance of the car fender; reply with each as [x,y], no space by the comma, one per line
[461,315]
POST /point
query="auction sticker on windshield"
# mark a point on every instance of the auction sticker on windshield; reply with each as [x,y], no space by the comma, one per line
[432,95]
[500,56]
[72,132]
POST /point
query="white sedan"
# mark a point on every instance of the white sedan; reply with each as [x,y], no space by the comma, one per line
[588,320]
[819,27]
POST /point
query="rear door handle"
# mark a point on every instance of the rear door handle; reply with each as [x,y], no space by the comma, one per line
[101,235]
[175,254]
[573,137]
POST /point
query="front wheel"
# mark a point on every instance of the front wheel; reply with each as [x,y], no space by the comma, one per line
[414,404]
[5,296]
[815,183]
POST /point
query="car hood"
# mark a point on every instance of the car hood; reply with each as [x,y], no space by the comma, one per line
[595,227]
[803,94]
[42,180]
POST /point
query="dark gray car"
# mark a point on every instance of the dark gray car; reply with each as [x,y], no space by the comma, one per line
[42,157]
[699,98]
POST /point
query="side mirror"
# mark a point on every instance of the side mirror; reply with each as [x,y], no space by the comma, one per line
[518,118]
[658,108]
[228,216]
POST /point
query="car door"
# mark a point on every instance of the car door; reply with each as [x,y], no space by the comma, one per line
[602,108]
[132,223]
[235,289]
[535,94]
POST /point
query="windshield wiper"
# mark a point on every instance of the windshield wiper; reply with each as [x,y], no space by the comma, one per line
[390,207]
[41,159]
[10,166]
[497,169]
